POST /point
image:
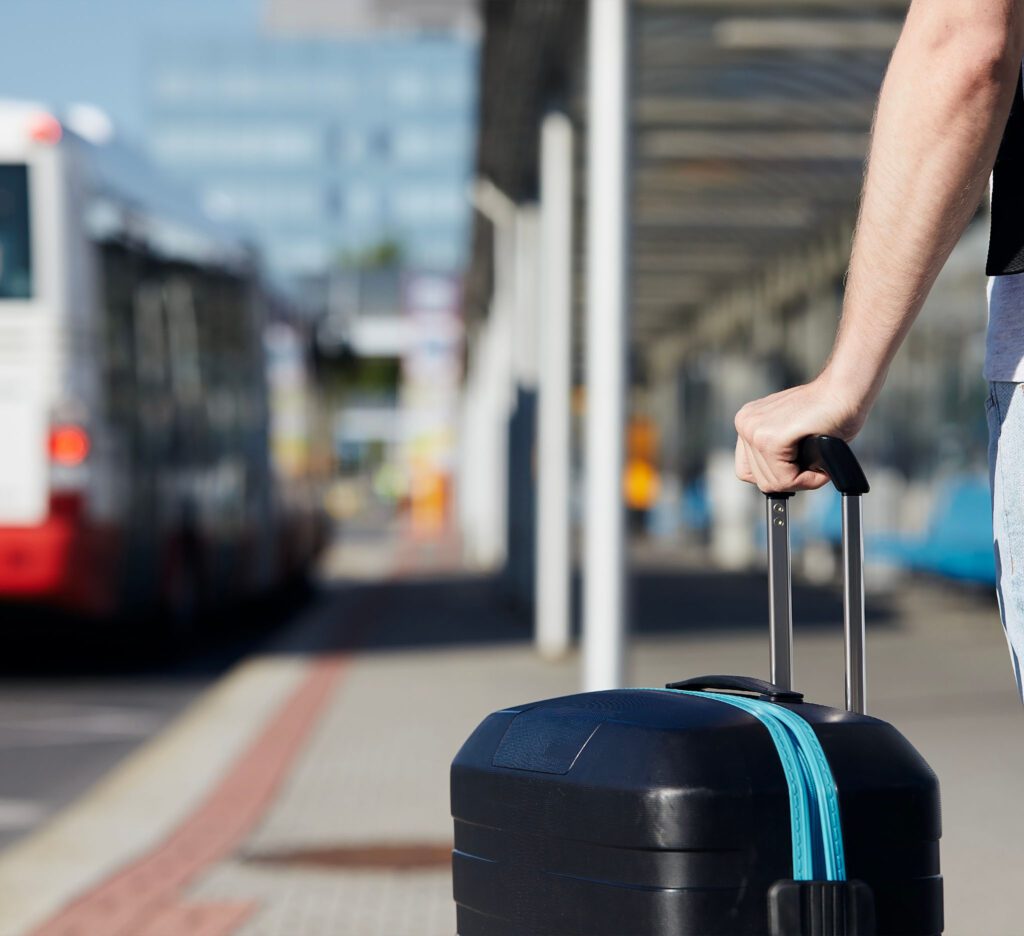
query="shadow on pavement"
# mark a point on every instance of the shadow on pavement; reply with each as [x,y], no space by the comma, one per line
[42,645]
[477,610]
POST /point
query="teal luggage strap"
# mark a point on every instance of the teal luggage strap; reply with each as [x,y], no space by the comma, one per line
[813,799]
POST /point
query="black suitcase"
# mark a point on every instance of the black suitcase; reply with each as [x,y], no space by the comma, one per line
[719,806]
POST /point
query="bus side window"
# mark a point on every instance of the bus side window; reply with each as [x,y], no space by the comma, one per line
[151,369]
[183,341]
[120,269]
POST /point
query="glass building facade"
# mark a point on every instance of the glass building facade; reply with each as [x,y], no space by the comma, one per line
[325,148]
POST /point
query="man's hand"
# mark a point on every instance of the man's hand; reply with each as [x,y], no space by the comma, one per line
[769,431]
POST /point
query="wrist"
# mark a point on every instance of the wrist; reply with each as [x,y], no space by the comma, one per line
[851,389]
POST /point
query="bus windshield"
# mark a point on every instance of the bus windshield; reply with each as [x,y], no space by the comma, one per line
[15,251]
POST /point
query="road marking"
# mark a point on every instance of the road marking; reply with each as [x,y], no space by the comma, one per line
[92,726]
[20,814]
[98,720]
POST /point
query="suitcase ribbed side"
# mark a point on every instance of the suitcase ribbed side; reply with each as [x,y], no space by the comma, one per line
[821,908]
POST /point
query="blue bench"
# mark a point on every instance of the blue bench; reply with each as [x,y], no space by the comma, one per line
[958,541]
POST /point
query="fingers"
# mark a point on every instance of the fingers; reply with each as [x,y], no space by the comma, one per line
[750,466]
[755,471]
[773,476]
[764,471]
[743,471]
[766,463]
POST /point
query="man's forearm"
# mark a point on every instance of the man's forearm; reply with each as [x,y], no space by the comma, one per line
[941,113]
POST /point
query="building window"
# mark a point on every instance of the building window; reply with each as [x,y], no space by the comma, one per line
[380,144]
[439,143]
[173,85]
[266,203]
[334,141]
[352,147]
[363,202]
[438,253]
[455,89]
[414,144]
[249,144]
[423,205]
[333,206]
[408,88]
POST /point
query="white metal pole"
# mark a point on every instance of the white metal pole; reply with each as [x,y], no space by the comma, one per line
[494,367]
[604,600]
[553,552]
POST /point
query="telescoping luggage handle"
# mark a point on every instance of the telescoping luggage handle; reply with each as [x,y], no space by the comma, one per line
[833,457]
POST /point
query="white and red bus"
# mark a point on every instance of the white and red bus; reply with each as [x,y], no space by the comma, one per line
[135,471]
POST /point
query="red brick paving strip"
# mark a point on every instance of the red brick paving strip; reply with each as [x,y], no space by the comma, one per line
[143,898]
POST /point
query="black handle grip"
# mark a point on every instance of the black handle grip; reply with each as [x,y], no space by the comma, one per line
[749,684]
[833,457]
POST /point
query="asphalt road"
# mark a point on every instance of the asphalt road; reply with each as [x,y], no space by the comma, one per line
[59,736]
[72,707]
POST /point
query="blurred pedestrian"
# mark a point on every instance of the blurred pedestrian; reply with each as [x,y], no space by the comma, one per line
[944,113]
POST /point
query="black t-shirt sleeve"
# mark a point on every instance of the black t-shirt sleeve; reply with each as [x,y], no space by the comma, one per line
[1006,241]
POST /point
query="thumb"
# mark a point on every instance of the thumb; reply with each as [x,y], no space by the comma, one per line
[811,480]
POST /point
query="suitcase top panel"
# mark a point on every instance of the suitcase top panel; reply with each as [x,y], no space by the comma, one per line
[653,769]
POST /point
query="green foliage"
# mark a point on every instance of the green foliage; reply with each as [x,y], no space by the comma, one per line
[384,255]
[352,376]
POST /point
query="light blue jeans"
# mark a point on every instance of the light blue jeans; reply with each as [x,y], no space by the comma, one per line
[1005,408]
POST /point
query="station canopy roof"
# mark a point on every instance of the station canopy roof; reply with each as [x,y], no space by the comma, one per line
[750,127]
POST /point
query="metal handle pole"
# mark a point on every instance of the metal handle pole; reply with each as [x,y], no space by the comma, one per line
[607,333]
[853,603]
[780,591]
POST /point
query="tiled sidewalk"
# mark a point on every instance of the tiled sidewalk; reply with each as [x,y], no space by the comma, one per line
[349,839]
[374,776]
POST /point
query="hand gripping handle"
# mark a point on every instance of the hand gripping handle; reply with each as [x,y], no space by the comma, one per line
[833,457]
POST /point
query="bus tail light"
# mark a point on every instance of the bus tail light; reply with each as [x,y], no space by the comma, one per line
[45,128]
[69,445]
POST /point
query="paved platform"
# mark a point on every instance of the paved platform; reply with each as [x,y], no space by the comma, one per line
[306,794]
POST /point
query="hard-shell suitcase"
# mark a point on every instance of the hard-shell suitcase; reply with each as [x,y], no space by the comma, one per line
[720,806]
